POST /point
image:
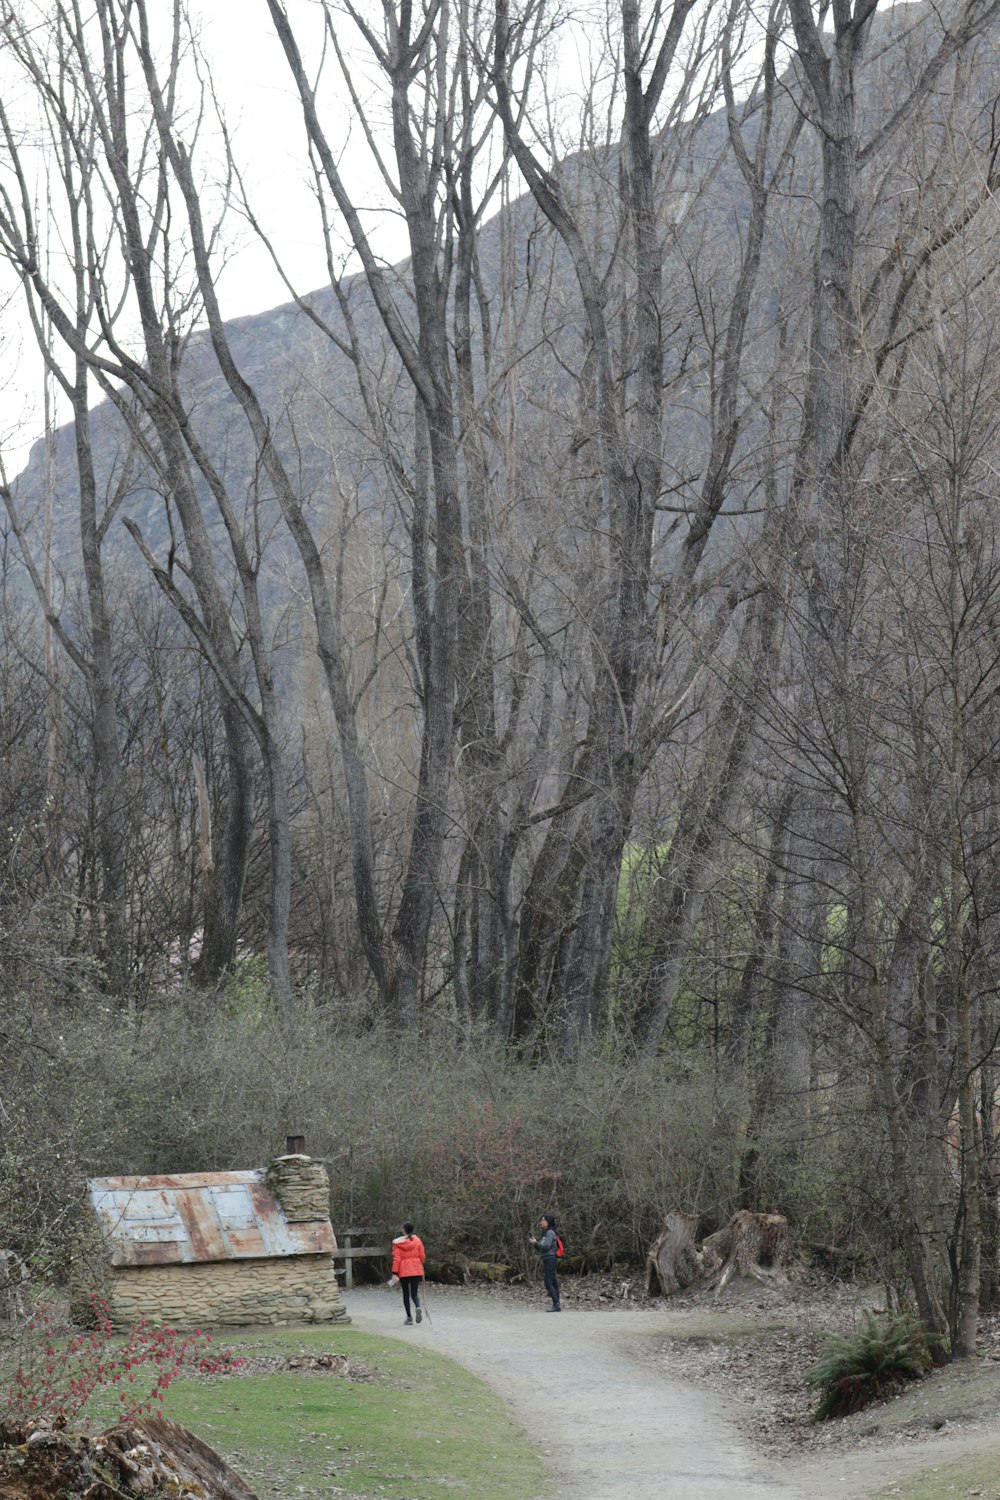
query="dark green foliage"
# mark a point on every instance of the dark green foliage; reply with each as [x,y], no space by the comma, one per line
[870,1364]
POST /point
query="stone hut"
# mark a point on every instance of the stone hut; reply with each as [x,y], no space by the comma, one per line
[204,1248]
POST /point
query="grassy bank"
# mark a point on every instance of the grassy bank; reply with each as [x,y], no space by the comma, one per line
[978,1475]
[422,1428]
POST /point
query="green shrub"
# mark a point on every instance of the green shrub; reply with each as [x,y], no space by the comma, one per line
[870,1364]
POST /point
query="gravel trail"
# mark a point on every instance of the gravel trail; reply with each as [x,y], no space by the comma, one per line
[608,1426]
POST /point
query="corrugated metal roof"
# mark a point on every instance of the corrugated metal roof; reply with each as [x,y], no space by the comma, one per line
[199,1216]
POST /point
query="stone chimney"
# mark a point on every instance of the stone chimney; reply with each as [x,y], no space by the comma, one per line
[300,1185]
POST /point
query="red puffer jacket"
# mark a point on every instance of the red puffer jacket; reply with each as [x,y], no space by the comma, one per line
[408,1255]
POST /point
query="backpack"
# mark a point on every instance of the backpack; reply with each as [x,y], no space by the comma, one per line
[560,1248]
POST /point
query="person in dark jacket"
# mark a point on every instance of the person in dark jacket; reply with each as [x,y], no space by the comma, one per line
[547,1244]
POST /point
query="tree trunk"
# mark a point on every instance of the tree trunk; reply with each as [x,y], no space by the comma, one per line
[110,807]
[989,1170]
[795,992]
[233,825]
[746,1005]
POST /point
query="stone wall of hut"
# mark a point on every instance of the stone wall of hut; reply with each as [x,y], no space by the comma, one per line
[290,1289]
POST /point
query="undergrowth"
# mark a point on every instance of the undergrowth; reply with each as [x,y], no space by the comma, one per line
[874,1362]
[455,1134]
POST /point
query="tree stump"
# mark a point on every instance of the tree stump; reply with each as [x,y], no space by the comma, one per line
[151,1458]
[752,1245]
[673,1262]
[198,1466]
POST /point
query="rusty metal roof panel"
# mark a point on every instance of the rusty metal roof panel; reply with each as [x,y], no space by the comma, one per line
[181,1180]
[313,1238]
[197,1217]
[247,1244]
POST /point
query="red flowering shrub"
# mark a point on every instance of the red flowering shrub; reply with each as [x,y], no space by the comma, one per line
[493,1174]
[54,1380]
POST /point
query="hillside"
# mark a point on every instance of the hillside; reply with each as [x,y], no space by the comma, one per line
[309,389]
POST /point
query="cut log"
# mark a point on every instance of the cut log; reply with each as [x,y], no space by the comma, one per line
[673,1262]
[488,1270]
[448,1272]
[588,1261]
[458,1270]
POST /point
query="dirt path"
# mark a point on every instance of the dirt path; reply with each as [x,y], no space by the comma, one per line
[607,1426]
[610,1425]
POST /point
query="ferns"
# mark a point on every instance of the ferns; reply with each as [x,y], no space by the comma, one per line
[874,1362]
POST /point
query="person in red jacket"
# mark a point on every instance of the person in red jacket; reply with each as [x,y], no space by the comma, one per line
[408,1268]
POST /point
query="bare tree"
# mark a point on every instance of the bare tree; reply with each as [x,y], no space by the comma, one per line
[69,131]
[92,58]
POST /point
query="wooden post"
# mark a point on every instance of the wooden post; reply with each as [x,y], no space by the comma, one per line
[347,1251]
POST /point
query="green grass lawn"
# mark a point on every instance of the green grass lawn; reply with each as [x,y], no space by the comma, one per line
[949,1481]
[423,1428]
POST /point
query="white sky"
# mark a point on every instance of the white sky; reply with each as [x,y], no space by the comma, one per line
[251,77]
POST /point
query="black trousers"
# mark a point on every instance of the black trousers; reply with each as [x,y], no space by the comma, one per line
[411,1288]
[551,1280]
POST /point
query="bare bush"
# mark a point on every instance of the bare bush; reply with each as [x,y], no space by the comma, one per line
[465,1141]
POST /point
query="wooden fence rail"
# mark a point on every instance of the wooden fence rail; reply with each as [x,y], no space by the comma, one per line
[349,1252]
